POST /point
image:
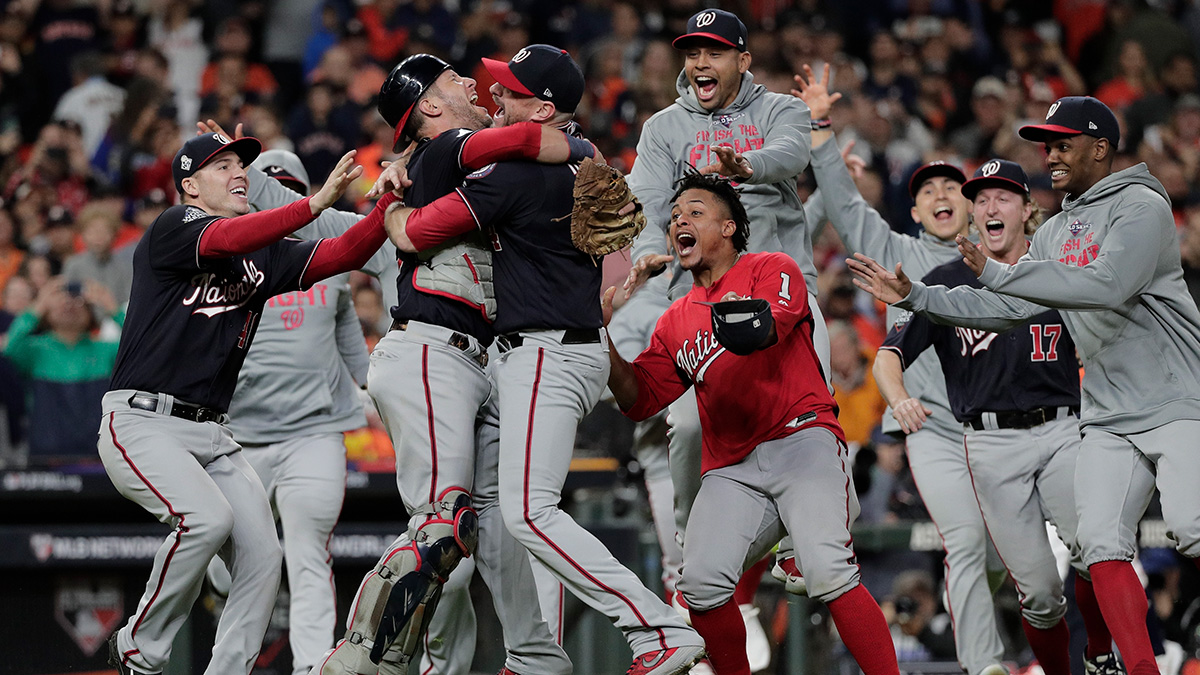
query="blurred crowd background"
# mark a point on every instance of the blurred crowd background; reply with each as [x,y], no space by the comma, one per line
[97,96]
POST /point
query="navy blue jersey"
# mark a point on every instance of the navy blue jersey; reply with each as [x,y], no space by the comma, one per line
[1021,369]
[436,171]
[190,320]
[541,279]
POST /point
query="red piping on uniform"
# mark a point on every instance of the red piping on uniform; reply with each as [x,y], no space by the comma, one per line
[474,274]
[975,491]
[179,530]
[432,428]
[537,380]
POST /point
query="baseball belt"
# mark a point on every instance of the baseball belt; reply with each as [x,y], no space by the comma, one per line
[1020,420]
[181,409]
[570,336]
[457,340]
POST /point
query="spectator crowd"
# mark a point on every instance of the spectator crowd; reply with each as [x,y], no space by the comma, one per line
[96,96]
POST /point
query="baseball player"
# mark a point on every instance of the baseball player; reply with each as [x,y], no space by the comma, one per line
[552,368]
[772,461]
[439,338]
[934,451]
[202,275]
[296,395]
[722,122]
[1017,395]
[1109,262]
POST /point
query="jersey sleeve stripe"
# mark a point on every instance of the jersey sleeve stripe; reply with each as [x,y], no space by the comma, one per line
[478,225]
[201,239]
[308,263]
[898,352]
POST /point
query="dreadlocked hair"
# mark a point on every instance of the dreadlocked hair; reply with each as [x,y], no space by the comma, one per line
[723,190]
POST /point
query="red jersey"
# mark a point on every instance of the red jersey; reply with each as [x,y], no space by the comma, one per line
[744,400]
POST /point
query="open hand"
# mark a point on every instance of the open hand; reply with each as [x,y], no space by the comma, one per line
[972,255]
[889,287]
[645,267]
[911,414]
[211,127]
[856,165]
[335,186]
[394,178]
[729,163]
[814,91]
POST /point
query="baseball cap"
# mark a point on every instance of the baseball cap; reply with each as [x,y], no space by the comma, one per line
[714,24]
[989,86]
[932,170]
[57,216]
[997,173]
[543,71]
[199,150]
[153,199]
[1074,115]
[284,167]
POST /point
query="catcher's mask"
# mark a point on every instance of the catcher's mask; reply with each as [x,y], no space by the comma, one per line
[404,87]
[742,326]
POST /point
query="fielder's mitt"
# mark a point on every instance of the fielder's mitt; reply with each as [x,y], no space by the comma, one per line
[597,227]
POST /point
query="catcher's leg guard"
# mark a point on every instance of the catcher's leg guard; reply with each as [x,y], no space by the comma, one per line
[449,533]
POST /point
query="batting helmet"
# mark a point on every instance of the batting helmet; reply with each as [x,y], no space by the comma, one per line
[404,87]
[742,326]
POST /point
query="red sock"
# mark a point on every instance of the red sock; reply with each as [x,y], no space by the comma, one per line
[1123,603]
[1099,639]
[747,587]
[864,632]
[1051,646]
[724,636]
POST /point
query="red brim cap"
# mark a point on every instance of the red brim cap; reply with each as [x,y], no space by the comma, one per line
[504,75]
[1040,132]
[678,43]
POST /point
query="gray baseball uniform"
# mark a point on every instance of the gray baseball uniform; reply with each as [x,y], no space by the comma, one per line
[295,396]
[935,453]
[1110,263]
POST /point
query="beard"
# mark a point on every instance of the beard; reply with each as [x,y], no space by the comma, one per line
[473,117]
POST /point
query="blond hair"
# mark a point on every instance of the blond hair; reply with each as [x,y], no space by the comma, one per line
[99,211]
[1034,221]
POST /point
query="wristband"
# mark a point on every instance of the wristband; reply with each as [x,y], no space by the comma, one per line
[821,125]
[580,148]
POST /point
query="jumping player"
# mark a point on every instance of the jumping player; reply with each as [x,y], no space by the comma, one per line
[1109,262]
[202,274]
[935,450]
[1017,395]
[773,463]
[553,367]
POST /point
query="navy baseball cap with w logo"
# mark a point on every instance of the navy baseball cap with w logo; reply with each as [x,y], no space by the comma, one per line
[200,150]
[714,24]
[997,173]
[542,71]
[1074,115]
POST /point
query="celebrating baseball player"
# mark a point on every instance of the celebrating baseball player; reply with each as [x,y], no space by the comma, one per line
[722,122]
[1017,395]
[439,339]
[296,394]
[1109,262]
[772,462]
[202,274]
[934,451]
[553,365]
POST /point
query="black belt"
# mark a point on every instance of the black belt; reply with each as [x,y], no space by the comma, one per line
[570,336]
[1022,420]
[457,340]
[180,409]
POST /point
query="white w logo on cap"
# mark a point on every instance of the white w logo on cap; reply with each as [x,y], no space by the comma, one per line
[221,139]
[990,168]
[521,56]
[705,19]
[1053,109]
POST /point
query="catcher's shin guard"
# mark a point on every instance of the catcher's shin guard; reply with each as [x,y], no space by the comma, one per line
[448,534]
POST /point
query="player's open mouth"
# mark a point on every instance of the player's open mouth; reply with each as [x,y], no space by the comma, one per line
[684,243]
[1058,174]
[474,97]
[943,213]
[498,116]
[995,227]
[238,192]
[706,87]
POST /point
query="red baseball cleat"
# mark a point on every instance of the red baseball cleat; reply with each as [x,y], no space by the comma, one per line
[674,661]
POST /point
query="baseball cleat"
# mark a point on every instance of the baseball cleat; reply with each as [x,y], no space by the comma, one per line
[785,570]
[681,608]
[114,657]
[758,647]
[673,661]
[994,669]
[505,671]
[1105,664]
[702,668]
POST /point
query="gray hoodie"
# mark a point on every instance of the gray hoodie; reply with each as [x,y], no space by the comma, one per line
[1110,263]
[773,131]
[863,230]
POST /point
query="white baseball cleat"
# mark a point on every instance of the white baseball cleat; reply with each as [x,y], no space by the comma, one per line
[702,668]
[994,669]
[758,647]
[1105,664]
[785,570]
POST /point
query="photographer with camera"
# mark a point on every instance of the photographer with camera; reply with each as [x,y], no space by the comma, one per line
[66,367]
[920,630]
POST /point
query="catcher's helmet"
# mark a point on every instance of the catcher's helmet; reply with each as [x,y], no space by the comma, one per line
[405,85]
[742,326]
